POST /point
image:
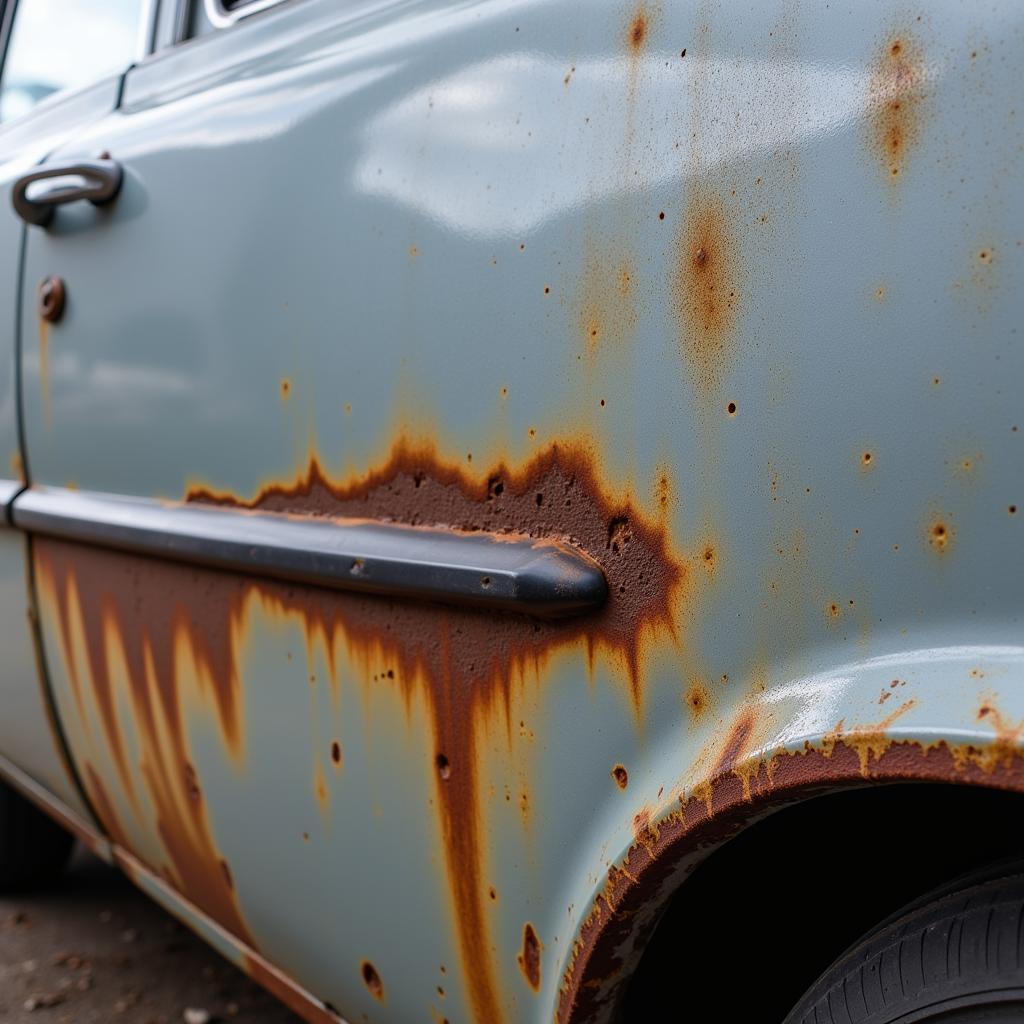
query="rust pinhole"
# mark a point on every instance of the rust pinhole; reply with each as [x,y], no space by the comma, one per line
[661,216]
[336,752]
[485,581]
[372,980]
[539,499]
[731,408]
[1012,510]
[866,459]
[444,768]
[621,776]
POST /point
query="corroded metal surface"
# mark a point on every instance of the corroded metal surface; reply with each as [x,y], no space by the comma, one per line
[724,294]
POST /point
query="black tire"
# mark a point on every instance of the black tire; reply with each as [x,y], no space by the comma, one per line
[33,849]
[954,957]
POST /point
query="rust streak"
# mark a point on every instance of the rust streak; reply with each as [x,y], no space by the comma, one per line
[896,97]
[706,286]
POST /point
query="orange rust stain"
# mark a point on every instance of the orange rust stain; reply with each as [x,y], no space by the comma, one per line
[832,611]
[940,536]
[639,27]
[17,467]
[698,699]
[148,621]
[867,460]
[323,798]
[706,286]
[731,408]
[466,661]
[336,758]
[529,958]
[44,369]
[735,743]
[286,389]
[621,776]
[868,741]
[1008,737]
[896,99]
[709,558]
[372,980]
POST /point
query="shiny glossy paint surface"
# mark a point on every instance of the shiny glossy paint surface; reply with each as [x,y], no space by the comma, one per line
[726,294]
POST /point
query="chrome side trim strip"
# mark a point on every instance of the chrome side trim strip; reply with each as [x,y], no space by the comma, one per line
[516,573]
[8,490]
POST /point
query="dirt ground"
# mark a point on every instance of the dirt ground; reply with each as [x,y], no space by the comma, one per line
[95,950]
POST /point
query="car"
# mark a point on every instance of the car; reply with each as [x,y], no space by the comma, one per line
[513,508]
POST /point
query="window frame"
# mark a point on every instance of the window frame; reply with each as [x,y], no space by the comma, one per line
[145,46]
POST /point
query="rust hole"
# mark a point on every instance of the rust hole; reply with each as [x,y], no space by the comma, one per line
[731,408]
[485,581]
[372,980]
[336,752]
[621,776]
[1012,510]
[444,768]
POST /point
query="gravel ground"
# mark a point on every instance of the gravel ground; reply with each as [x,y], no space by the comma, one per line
[94,950]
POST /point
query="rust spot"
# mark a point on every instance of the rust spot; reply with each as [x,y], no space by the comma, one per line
[833,610]
[731,408]
[462,661]
[940,536]
[372,980]
[607,305]
[621,776]
[896,97]
[529,959]
[286,389]
[638,29]
[867,460]
[1012,510]
[698,699]
[336,753]
[17,467]
[706,286]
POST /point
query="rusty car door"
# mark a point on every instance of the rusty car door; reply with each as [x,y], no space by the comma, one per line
[545,310]
[47,93]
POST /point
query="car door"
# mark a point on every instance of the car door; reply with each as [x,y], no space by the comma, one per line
[62,70]
[499,292]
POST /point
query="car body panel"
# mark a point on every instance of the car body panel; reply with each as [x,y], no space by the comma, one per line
[726,294]
[28,734]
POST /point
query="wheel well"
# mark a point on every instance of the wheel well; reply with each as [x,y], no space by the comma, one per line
[764,915]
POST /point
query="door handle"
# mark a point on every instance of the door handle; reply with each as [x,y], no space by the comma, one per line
[37,194]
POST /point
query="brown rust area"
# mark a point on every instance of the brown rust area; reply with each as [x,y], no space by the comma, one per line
[150,623]
[620,775]
[371,978]
[698,699]
[939,534]
[612,937]
[529,958]
[896,102]
[706,285]
[463,661]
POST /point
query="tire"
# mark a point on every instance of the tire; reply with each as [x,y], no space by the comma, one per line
[33,849]
[954,957]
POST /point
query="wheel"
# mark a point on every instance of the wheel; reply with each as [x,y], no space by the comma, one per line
[33,849]
[953,957]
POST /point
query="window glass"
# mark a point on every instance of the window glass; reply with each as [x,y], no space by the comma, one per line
[64,44]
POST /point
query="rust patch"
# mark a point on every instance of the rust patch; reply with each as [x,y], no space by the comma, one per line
[372,980]
[940,536]
[896,98]
[529,958]
[621,776]
[144,618]
[706,286]
[465,661]
[286,389]
[612,937]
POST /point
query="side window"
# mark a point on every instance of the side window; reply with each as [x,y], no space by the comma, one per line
[64,44]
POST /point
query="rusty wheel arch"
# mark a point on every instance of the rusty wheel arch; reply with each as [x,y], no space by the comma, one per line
[666,851]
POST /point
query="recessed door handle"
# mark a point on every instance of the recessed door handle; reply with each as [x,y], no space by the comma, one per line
[37,194]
